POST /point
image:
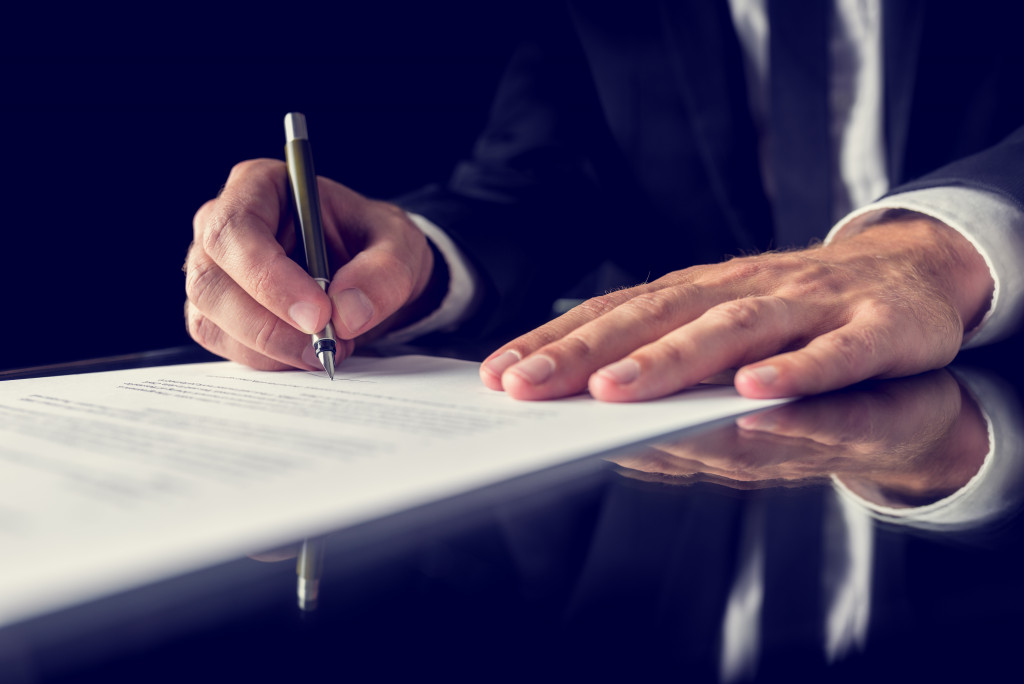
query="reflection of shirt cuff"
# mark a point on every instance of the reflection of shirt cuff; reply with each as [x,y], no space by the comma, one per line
[994,491]
[458,301]
[990,222]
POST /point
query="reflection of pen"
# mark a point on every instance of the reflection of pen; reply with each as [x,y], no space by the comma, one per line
[308,567]
[302,179]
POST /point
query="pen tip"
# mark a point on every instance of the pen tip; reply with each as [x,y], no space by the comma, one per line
[327,359]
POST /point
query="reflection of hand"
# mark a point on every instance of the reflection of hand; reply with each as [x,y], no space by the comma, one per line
[892,300]
[901,442]
[248,301]
[277,555]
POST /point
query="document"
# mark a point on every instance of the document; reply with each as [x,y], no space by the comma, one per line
[113,480]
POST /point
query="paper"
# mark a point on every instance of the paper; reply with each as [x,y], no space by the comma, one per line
[111,480]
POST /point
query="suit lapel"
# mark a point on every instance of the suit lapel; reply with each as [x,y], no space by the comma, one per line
[706,62]
[671,81]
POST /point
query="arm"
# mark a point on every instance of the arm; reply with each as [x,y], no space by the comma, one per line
[525,208]
[992,223]
[515,210]
[893,299]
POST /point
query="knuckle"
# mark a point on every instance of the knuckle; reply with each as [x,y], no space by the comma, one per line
[738,314]
[882,312]
[202,278]
[538,337]
[595,307]
[260,280]
[204,332]
[794,273]
[814,278]
[266,333]
[672,354]
[574,347]
[855,349]
[212,234]
[244,167]
[654,307]
[201,216]
[223,225]
[761,268]
[744,268]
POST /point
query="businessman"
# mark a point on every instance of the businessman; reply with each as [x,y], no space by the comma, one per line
[664,137]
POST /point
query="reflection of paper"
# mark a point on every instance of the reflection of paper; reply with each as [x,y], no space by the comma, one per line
[114,479]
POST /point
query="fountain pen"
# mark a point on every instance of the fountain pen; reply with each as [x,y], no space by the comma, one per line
[306,198]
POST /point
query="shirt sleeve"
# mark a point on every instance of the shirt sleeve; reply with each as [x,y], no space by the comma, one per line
[994,491]
[992,223]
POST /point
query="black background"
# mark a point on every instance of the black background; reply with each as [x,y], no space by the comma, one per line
[120,122]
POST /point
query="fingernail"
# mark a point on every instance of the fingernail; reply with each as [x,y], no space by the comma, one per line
[762,375]
[535,369]
[305,315]
[354,309]
[500,363]
[309,357]
[621,372]
[762,420]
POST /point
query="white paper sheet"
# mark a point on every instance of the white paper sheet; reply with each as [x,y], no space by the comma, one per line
[112,480]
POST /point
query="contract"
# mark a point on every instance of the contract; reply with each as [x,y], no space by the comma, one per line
[116,479]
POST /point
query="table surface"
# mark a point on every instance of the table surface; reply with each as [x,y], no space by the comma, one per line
[870,534]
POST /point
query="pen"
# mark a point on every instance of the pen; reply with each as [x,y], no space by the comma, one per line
[308,566]
[302,180]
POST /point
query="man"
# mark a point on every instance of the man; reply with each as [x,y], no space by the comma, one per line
[654,136]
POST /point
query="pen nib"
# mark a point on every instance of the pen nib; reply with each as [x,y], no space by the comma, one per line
[327,359]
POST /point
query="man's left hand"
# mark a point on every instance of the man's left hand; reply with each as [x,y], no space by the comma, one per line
[891,300]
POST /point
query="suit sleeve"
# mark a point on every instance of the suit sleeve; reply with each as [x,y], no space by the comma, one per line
[998,169]
[982,197]
[525,208]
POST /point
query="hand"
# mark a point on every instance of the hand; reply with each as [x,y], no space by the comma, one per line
[892,300]
[896,443]
[250,302]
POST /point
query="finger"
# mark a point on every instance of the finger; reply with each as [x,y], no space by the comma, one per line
[882,412]
[390,270]
[212,338]
[501,359]
[884,338]
[844,356]
[239,232]
[724,336]
[652,459]
[495,365]
[239,321]
[595,333]
[736,457]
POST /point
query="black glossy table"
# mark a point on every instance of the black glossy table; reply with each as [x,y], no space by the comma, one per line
[867,535]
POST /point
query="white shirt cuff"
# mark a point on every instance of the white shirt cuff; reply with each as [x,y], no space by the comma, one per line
[458,301]
[990,222]
[994,491]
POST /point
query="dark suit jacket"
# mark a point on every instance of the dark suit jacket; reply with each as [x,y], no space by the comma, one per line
[624,134]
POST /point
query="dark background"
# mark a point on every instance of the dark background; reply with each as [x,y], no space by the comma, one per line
[119,123]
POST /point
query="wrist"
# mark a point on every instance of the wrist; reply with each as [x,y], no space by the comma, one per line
[938,254]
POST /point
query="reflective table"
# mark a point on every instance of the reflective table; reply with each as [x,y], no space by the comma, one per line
[871,534]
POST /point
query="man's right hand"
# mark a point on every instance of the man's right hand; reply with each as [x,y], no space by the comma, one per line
[248,301]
